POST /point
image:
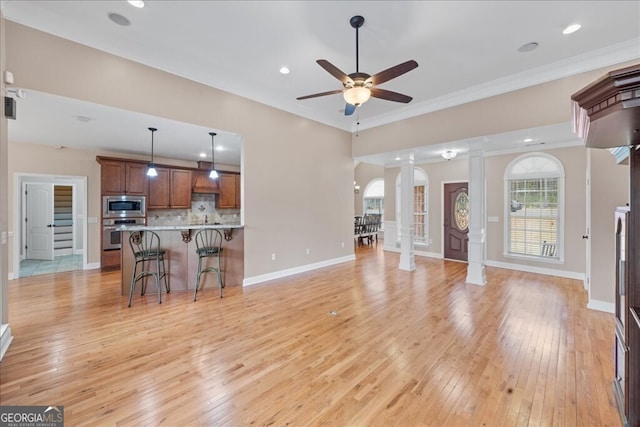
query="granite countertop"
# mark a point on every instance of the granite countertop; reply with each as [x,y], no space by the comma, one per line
[177,227]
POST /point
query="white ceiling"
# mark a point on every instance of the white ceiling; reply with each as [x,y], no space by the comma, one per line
[466,50]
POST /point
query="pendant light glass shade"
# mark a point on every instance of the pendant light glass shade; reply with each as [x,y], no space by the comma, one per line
[212,174]
[151,169]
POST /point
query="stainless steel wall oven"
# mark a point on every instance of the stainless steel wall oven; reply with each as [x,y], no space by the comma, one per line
[112,234]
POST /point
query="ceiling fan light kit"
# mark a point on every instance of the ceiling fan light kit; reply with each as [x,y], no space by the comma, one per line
[359,87]
[357,96]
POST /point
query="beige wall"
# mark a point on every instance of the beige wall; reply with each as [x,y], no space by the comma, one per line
[290,204]
[609,189]
[364,174]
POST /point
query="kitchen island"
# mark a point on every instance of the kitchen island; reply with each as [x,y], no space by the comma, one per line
[181,260]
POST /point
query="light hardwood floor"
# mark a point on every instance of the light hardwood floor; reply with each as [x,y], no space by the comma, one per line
[407,349]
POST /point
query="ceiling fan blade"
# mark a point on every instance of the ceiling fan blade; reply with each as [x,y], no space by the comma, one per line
[334,71]
[349,109]
[315,95]
[389,95]
[393,72]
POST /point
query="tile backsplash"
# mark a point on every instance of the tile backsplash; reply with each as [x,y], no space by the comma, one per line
[203,211]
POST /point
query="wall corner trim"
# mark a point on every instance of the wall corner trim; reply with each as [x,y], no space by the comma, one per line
[5,339]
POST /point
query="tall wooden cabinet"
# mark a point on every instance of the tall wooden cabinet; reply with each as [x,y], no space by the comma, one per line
[622,313]
[606,114]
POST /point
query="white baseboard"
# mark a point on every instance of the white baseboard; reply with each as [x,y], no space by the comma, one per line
[12,276]
[605,306]
[91,266]
[248,281]
[5,339]
[530,269]
[415,252]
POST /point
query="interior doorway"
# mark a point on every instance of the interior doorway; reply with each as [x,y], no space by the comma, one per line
[456,221]
[50,224]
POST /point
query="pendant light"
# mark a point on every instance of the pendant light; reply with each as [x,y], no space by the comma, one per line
[151,169]
[212,174]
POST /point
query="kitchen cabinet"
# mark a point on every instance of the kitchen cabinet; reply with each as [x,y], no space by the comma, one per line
[229,191]
[122,177]
[170,189]
[110,260]
[203,184]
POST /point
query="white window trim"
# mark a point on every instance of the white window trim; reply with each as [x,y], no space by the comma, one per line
[427,216]
[561,207]
[364,202]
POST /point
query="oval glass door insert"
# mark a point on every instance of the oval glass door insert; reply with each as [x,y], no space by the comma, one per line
[461,207]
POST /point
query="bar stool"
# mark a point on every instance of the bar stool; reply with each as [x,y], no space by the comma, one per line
[145,246]
[209,245]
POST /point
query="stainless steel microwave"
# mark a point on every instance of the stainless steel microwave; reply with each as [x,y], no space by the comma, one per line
[123,206]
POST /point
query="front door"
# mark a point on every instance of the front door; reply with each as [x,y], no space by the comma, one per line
[39,221]
[456,221]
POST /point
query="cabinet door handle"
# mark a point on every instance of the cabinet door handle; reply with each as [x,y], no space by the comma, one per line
[585,237]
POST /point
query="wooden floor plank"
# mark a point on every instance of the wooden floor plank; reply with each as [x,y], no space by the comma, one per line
[419,348]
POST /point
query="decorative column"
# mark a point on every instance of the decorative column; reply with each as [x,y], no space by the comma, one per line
[477,232]
[407,259]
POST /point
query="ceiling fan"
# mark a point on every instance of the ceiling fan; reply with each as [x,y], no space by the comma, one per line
[358,87]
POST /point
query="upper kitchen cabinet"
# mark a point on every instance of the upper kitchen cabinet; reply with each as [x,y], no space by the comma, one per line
[122,177]
[170,189]
[229,191]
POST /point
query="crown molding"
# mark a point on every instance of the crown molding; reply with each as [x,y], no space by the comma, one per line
[600,58]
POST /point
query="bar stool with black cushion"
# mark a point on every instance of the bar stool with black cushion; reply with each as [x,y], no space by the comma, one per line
[209,245]
[145,246]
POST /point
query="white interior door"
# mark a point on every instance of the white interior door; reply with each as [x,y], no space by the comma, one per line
[39,221]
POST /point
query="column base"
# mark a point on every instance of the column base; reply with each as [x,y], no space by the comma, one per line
[476,274]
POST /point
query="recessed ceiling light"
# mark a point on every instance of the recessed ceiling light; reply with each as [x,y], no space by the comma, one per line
[397,158]
[203,155]
[220,148]
[528,139]
[528,47]
[284,70]
[571,29]
[136,3]
[119,19]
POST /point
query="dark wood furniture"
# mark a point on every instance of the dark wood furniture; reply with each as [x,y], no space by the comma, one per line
[606,114]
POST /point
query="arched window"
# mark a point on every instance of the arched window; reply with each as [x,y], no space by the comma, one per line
[420,206]
[373,199]
[534,206]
